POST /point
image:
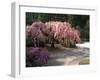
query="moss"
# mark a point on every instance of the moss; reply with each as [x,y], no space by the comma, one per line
[54,49]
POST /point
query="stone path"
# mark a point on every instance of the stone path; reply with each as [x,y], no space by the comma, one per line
[70,56]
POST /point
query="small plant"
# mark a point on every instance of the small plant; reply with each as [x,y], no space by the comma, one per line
[36,57]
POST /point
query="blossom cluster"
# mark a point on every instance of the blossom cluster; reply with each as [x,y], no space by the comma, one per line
[62,31]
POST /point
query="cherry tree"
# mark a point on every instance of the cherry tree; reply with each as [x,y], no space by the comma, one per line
[61,32]
[34,31]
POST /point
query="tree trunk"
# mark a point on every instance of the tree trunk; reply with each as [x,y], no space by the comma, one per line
[52,45]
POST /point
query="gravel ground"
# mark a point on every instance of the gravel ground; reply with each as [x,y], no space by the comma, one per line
[70,56]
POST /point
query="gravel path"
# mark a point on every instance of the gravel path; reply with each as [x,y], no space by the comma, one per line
[70,56]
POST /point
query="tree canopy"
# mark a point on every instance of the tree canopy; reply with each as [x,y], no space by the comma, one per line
[79,22]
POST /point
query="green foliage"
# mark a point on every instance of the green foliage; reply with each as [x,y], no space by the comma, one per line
[44,17]
[78,20]
[84,35]
[29,42]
